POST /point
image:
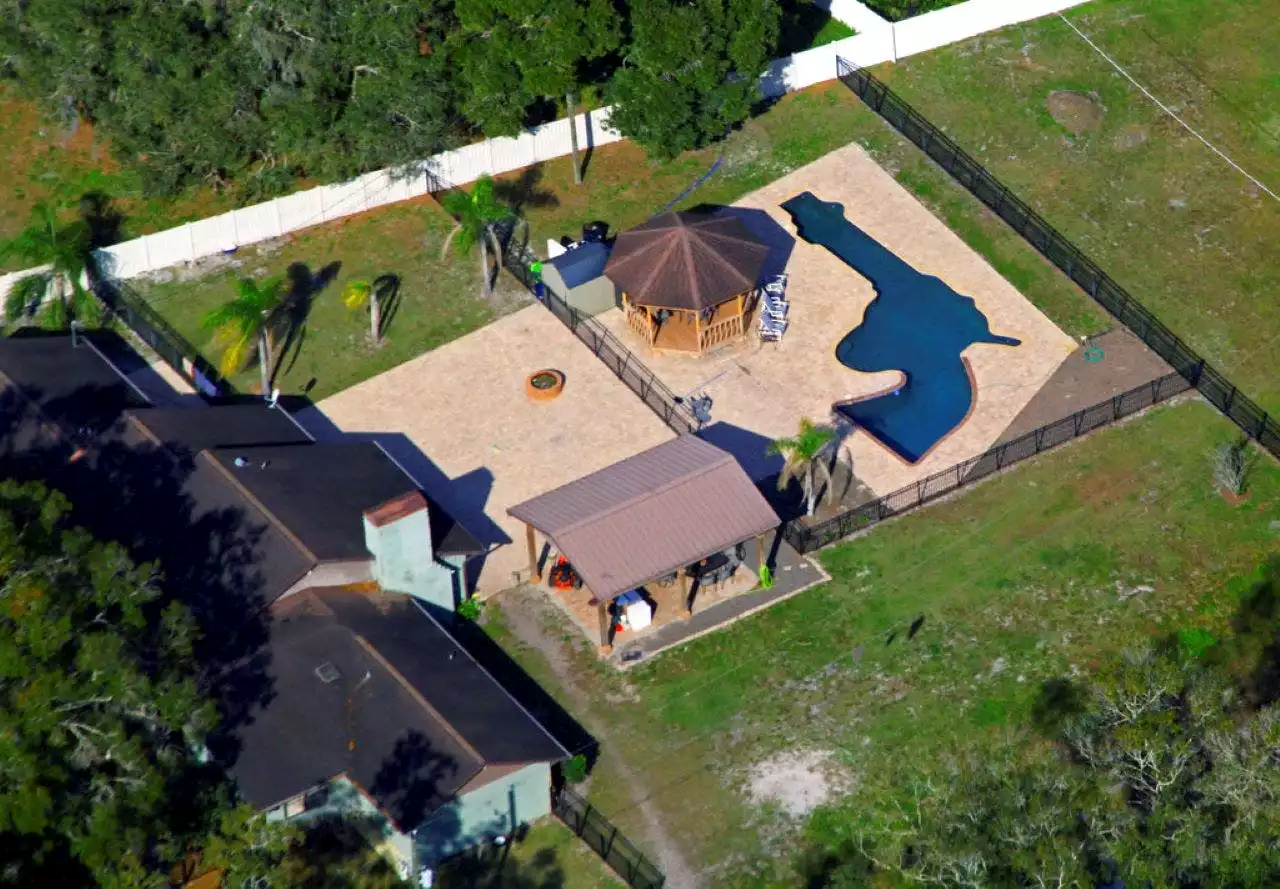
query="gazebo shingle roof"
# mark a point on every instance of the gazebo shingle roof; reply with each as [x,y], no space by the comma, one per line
[648,515]
[690,261]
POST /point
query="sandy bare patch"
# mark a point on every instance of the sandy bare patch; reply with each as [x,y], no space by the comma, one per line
[797,781]
[1078,113]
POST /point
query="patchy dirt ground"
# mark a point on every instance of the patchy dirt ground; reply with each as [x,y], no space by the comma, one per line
[797,781]
[1078,113]
[525,612]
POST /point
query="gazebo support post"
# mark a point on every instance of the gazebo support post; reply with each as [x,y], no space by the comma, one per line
[742,321]
[535,576]
[605,645]
[684,594]
[697,330]
[759,554]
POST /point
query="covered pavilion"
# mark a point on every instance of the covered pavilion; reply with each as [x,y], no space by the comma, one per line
[648,519]
[687,279]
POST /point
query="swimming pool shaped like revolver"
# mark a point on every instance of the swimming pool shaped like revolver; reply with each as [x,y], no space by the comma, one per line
[917,325]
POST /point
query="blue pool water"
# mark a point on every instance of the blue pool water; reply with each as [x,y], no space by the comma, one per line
[917,324]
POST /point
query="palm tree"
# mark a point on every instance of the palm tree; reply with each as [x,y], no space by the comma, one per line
[244,323]
[477,217]
[804,455]
[356,295]
[67,250]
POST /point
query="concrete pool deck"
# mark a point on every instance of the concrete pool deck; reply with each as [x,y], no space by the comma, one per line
[760,392]
[459,421]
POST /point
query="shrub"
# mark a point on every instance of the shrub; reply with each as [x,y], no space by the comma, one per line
[574,769]
[469,609]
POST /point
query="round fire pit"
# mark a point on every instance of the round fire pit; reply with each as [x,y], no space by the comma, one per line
[544,385]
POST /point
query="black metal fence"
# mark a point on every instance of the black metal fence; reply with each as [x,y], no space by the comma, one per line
[598,338]
[1216,388]
[807,538]
[603,836]
[141,318]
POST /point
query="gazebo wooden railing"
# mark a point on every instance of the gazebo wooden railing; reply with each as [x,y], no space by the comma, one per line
[686,331]
[639,320]
[730,328]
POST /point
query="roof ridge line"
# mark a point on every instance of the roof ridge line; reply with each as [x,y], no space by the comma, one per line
[418,697]
[651,493]
[244,492]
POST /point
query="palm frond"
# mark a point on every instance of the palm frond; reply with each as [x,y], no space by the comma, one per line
[235,356]
[25,296]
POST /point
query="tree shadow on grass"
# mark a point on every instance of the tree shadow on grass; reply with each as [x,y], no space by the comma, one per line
[524,191]
[302,286]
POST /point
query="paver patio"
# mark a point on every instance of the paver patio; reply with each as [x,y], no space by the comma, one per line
[760,392]
[459,420]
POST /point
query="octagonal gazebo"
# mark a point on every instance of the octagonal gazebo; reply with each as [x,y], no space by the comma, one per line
[687,279]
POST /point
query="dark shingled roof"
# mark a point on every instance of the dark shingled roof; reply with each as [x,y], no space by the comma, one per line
[409,716]
[71,388]
[646,516]
[691,261]
[231,425]
[319,492]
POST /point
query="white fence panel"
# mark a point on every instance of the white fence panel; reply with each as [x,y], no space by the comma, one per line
[551,140]
[170,247]
[470,163]
[126,260]
[507,154]
[299,210]
[403,184]
[601,132]
[964,20]
[206,237]
[341,200]
[257,223]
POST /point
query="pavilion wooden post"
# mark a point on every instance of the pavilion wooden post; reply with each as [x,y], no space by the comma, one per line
[742,321]
[605,645]
[759,554]
[697,329]
[535,576]
[684,593]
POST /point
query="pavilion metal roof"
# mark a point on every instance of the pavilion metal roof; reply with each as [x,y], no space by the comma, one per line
[644,517]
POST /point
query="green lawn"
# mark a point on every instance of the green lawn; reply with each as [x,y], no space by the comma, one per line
[1172,222]
[438,300]
[549,857]
[1053,567]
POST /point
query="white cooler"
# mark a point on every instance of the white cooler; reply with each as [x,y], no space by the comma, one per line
[634,611]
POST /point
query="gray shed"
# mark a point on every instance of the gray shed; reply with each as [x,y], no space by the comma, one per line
[577,277]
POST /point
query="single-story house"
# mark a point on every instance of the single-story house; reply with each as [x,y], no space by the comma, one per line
[323,578]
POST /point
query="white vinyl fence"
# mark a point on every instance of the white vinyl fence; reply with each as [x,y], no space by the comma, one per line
[877,41]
